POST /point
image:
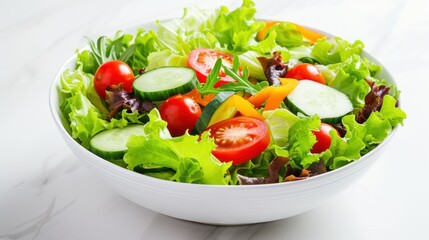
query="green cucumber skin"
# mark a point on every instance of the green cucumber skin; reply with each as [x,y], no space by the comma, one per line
[295,110]
[160,96]
[163,94]
[208,111]
[330,104]
[111,156]
[118,154]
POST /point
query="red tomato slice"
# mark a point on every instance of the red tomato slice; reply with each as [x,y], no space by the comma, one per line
[113,73]
[323,138]
[239,139]
[202,61]
[306,71]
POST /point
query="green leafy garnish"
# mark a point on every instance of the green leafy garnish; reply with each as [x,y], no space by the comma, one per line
[242,83]
[133,50]
[106,49]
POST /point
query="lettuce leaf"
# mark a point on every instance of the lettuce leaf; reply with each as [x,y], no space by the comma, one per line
[193,30]
[145,43]
[279,122]
[301,140]
[267,45]
[298,53]
[86,62]
[165,58]
[287,35]
[342,150]
[189,156]
[231,31]
[334,50]
[250,61]
[236,30]
[351,79]
[391,112]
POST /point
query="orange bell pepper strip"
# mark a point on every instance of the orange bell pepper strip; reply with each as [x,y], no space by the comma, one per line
[260,97]
[308,34]
[280,93]
[196,95]
[273,96]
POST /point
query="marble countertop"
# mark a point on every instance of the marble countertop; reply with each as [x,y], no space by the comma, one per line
[47,193]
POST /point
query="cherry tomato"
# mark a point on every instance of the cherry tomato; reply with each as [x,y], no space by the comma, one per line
[202,61]
[323,138]
[113,73]
[181,113]
[306,71]
[239,139]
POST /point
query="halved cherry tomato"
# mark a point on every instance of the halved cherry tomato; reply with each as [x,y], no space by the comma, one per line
[323,138]
[202,61]
[113,73]
[239,139]
[307,71]
[181,113]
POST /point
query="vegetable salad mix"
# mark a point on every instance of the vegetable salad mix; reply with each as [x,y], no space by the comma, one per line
[219,97]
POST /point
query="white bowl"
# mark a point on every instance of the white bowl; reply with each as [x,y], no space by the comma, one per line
[224,205]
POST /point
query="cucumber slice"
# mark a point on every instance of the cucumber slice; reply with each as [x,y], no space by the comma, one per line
[209,110]
[112,144]
[161,83]
[311,98]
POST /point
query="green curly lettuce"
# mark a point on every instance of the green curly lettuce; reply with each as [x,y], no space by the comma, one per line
[188,156]
[334,50]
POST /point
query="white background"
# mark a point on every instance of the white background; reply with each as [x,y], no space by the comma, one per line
[46,192]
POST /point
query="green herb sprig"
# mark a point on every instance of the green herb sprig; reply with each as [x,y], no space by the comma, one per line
[241,83]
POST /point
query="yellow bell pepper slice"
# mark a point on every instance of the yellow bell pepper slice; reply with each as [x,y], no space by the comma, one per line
[280,93]
[231,106]
[245,108]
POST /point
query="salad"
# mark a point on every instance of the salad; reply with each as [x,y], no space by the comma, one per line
[220,97]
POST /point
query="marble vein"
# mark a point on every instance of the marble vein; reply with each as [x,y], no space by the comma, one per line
[32,227]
